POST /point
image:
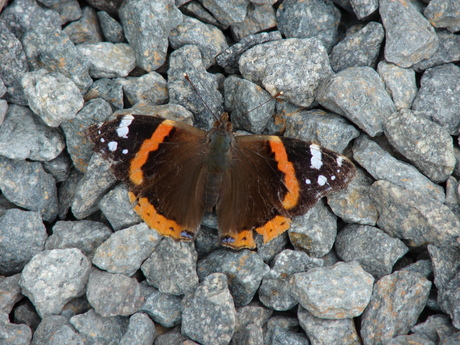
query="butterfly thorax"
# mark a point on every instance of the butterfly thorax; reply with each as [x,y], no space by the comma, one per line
[220,140]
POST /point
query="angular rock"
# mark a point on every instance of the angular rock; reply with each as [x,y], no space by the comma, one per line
[364,8]
[149,89]
[10,292]
[86,29]
[444,14]
[258,18]
[399,83]
[426,144]
[439,96]
[274,65]
[409,37]
[54,277]
[27,185]
[109,90]
[396,303]
[337,292]
[141,331]
[113,294]
[208,313]
[360,48]
[52,96]
[14,334]
[209,39]
[111,29]
[172,267]
[358,93]
[125,250]
[436,328]
[446,264]
[244,270]
[227,12]
[147,25]
[59,167]
[24,136]
[383,166]
[375,251]
[163,308]
[307,19]
[413,216]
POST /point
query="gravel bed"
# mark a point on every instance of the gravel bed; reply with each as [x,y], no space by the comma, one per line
[377,263]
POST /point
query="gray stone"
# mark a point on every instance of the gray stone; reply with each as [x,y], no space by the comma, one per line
[173,336]
[125,250]
[208,313]
[353,203]
[358,93]
[52,96]
[117,208]
[383,166]
[360,48]
[439,96]
[409,37]
[244,270]
[147,26]
[51,49]
[409,340]
[315,231]
[424,143]
[78,144]
[228,59]
[446,264]
[23,15]
[282,330]
[251,106]
[13,334]
[209,39]
[59,167]
[54,277]
[308,19]
[27,185]
[25,313]
[85,235]
[48,328]
[141,331]
[3,110]
[267,251]
[327,129]
[322,331]
[399,83]
[96,329]
[396,303]
[163,308]
[423,267]
[10,292]
[173,112]
[172,267]
[86,29]
[109,90]
[23,235]
[249,322]
[275,66]
[375,251]
[437,328]
[108,60]
[364,8]
[66,192]
[69,10]
[258,18]
[444,14]
[24,136]
[91,188]
[113,294]
[111,29]
[448,51]
[337,292]
[227,12]
[454,339]
[188,60]
[413,216]
[196,10]
[14,65]
[149,89]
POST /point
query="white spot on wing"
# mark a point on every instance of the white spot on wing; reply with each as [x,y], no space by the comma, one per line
[308,181]
[339,161]
[322,180]
[102,140]
[123,127]
[333,177]
[112,145]
[316,159]
[124,151]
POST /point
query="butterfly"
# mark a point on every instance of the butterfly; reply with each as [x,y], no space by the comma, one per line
[176,173]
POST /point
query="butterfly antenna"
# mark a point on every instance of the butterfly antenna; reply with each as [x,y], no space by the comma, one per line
[202,100]
[268,100]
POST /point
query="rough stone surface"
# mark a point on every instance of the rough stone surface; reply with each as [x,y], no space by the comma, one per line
[208,313]
[163,308]
[54,277]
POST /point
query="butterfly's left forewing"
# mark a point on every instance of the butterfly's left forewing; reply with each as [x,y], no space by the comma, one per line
[271,179]
[161,161]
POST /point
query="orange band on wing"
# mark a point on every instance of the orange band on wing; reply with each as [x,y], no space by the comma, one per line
[291,199]
[244,239]
[273,228]
[135,170]
[163,225]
